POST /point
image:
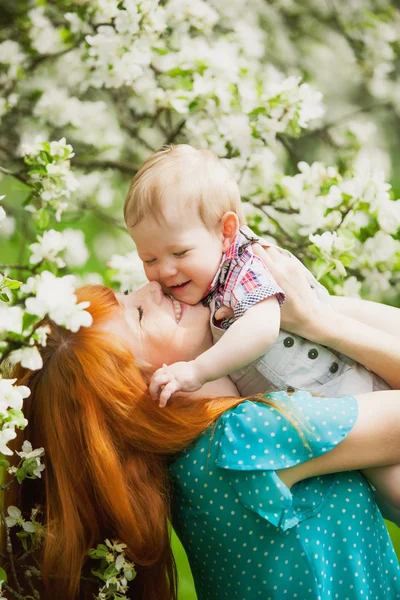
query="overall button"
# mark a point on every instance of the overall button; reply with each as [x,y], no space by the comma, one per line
[290,389]
[288,342]
[313,353]
[334,367]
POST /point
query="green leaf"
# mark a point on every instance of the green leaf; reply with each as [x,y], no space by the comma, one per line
[4,464]
[98,574]
[12,284]
[3,575]
[42,218]
[23,535]
[260,110]
[3,297]
[100,552]
[111,571]
[321,268]
[44,156]
[28,320]
[37,171]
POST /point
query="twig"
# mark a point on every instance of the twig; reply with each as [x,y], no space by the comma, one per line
[9,549]
[294,159]
[13,592]
[123,166]
[14,174]
[18,267]
[28,576]
[43,57]
[175,132]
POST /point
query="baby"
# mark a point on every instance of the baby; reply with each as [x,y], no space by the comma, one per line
[184,213]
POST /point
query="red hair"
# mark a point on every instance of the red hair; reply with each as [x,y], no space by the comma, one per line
[107,444]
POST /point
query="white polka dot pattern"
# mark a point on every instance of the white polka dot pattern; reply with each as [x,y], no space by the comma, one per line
[248,537]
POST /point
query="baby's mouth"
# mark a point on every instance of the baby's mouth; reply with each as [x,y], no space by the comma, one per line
[180,287]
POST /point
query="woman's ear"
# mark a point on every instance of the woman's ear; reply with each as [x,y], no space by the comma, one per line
[229,227]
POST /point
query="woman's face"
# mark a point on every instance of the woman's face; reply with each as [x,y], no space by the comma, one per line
[159,329]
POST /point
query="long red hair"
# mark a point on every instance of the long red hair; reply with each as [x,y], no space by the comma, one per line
[107,445]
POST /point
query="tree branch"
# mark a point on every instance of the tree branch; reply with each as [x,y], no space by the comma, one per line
[16,175]
[17,267]
[123,166]
[13,592]
[171,137]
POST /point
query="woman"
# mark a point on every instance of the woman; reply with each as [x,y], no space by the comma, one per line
[109,450]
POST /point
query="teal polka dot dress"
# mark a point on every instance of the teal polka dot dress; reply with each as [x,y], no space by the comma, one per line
[248,536]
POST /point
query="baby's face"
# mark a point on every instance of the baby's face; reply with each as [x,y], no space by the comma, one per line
[180,253]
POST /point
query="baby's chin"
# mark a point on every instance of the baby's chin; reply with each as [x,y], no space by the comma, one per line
[188,293]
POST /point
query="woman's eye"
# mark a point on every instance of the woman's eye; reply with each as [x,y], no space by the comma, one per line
[180,253]
[149,262]
[140,309]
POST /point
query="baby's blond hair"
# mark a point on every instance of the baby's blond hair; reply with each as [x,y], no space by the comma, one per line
[197,176]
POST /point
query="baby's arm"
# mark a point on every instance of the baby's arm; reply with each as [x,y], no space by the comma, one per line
[245,340]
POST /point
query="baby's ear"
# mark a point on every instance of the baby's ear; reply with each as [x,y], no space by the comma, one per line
[229,227]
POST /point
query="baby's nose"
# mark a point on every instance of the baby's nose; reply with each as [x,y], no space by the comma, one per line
[167,270]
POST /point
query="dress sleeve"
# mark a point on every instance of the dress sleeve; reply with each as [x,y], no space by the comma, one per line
[259,439]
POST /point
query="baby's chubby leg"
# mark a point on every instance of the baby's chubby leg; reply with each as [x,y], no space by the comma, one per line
[386,480]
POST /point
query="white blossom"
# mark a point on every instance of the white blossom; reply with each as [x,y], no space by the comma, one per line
[41,334]
[46,39]
[76,253]
[15,518]
[389,215]
[29,357]
[11,396]
[48,246]
[129,271]
[28,452]
[11,318]
[7,434]
[379,249]
[55,297]
[328,241]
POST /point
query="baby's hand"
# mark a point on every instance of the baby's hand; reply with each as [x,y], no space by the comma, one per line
[179,377]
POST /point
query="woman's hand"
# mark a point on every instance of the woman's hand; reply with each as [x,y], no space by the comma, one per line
[302,311]
[304,314]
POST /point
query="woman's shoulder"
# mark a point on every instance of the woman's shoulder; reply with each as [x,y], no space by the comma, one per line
[283,430]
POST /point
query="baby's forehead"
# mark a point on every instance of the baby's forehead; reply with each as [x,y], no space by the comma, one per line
[174,213]
[171,229]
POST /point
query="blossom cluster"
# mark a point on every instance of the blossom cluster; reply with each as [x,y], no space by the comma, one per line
[50,176]
[113,569]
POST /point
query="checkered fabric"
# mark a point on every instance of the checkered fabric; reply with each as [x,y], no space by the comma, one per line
[242,279]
